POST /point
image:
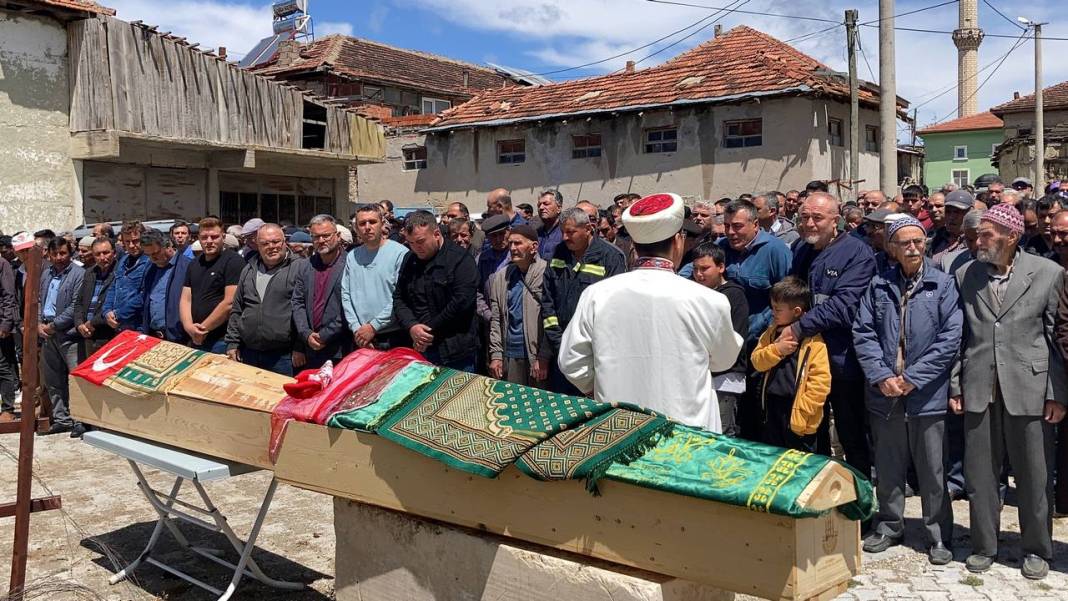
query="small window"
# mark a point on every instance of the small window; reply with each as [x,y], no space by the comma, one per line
[961,177]
[314,126]
[834,131]
[664,139]
[511,152]
[372,93]
[960,153]
[871,138]
[414,158]
[433,106]
[743,134]
[586,146]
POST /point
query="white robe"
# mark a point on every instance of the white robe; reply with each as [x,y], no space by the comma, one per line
[652,338]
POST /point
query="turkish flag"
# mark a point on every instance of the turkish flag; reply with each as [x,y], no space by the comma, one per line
[113,356]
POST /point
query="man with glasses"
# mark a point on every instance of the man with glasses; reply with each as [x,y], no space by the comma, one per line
[756,260]
[1024,187]
[124,305]
[906,336]
[317,309]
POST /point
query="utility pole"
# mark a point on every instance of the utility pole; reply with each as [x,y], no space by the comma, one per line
[1040,133]
[915,115]
[887,101]
[854,102]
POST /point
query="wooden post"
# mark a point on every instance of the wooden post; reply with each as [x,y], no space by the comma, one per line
[31,259]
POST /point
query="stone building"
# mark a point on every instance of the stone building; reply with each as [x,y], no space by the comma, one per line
[1015,155]
[104,120]
[743,112]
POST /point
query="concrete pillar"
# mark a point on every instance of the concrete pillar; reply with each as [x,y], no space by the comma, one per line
[384,555]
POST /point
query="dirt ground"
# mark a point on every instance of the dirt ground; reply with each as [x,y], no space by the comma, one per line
[103,509]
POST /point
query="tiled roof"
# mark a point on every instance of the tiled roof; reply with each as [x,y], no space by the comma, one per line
[743,62]
[1053,98]
[83,5]
[985,120]
[409,121]
[373,61]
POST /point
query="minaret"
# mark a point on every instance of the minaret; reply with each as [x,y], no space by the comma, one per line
[967,38]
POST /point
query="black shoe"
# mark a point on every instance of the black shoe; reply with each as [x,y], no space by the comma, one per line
[957,494]
[877,543]
[59,428]
[939,555]
[977,564]
[1034,567]
[78,430]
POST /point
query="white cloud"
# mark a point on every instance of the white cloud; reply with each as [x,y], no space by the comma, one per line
[331,27]
[235,25]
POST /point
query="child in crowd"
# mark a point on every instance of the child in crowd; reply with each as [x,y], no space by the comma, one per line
[709,263]
[797,376]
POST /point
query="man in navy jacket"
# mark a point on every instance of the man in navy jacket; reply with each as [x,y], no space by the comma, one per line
[167,270]
[838,267]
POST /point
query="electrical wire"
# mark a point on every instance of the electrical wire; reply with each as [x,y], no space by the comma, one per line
[1002,15]
[1004,57]
[738,3]
[992,63]
[810,35]
[864,55]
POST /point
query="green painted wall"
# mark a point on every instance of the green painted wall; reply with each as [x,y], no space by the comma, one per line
[939,163]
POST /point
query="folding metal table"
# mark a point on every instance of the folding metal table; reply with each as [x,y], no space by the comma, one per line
[196,468]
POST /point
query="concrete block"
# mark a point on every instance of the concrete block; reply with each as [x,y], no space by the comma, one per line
[383,555]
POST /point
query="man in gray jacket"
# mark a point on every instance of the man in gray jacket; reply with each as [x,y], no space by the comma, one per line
[261,331]
[1010,384]
[518,350]
[60,286]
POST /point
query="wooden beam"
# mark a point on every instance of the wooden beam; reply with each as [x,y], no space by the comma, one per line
[43,504]
[43,424]
[233,159]
[94,145]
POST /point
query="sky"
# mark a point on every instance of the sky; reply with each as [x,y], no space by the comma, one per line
[553,36]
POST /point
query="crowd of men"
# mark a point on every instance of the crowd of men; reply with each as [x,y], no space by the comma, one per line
[930,329]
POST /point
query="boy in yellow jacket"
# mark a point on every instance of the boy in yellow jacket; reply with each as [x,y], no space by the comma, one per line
[796,378]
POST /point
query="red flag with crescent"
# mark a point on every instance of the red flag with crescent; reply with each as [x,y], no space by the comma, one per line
[113,356]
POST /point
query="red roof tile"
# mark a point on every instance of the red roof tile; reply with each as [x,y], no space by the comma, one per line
[1053,98]
[83,5]
[743,62]
[374,61]
[409,120]
[985,120]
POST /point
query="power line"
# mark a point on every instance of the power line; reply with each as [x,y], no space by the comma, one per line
[988,35]
[807,36]
[864,55]
[988,77]
[996,61]
[743,12]
[738,3]
[995,9]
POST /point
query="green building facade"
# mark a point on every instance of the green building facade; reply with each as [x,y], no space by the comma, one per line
[959,151]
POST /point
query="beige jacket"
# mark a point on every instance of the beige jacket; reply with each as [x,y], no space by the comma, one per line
[533,332]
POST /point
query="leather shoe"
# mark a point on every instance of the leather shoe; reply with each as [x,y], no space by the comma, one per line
[939,555]
[58,428]
[877,542]
[78,430]
[977,564]
[1034,567]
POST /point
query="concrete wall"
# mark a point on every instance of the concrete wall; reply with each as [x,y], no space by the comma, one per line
[1015,121]
[462,165]
[38,183]
[940,152]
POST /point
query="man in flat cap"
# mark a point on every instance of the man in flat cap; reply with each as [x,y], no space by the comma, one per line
[676,332]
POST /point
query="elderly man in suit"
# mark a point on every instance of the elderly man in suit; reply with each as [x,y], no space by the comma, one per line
[1011,385]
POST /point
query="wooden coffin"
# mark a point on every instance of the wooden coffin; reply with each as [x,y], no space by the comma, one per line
[729,547]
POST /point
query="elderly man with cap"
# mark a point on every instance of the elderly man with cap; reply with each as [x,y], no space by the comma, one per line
[677,331]
[518,351]
[493,257]
[1024,187]
[248,236]
[906,335]
[950,236]
[85,252]
[582,260]
[1010,383]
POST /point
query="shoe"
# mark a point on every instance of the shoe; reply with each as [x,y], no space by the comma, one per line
[59,428]
[977,564]
[957,494]
[7,417]
[78,430]
[939,555]
[877,543]
[1034,567]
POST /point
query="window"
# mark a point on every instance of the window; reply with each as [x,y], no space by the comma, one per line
[414,158]
[663,139]
[511,152]
[433,106]
[314,126]
[586,146]
[960,153]
[834,131]
[961,177]
[871,138]
[743,134]
[373,93]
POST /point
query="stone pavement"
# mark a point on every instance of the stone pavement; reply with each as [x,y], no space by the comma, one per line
[903,572]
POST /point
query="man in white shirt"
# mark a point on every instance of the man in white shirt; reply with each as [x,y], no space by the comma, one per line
[650,337]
